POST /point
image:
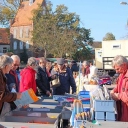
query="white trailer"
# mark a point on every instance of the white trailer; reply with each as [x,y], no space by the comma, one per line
[104,55]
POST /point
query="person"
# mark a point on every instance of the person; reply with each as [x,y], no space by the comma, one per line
[74,68]
[54,68]
[48,68]
[12,76]
[42,78]
[66,64]
[120,92]
[85,68]
[93,70]
[65,77]
[27,79]
[5,95]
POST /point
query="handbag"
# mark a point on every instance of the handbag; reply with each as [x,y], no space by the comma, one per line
[55,82]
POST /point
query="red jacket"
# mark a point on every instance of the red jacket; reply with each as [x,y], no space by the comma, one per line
[122,103]
[27,80]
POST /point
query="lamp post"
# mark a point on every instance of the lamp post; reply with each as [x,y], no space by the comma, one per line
[124,3]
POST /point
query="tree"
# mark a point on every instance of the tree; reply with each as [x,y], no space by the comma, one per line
[8,9]
[58,32]
[109,36]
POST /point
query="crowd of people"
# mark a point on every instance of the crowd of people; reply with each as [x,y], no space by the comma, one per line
[39,74]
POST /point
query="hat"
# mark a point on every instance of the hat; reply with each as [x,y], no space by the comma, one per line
[60,61]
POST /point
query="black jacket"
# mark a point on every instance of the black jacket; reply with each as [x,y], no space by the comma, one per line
[42,81]
[75,68]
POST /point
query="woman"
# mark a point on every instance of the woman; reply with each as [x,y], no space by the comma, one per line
[27,80]
[65,77]
[5,95]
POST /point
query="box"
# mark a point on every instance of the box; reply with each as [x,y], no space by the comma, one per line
[85,101]
[35,114]
[48,110]
[90,87]
[110,116]
[104,105]
[78,123]
[99,115]
[83,94]
[85,109]
[55,97]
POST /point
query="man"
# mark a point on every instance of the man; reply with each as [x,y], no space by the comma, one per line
[42,79]
[12,77]
[120,92]
[74,69]
[85,69]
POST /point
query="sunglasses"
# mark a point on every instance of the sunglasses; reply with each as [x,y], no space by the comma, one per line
[16,65]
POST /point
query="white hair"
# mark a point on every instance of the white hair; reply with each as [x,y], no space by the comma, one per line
[119,60]
[15,57]
[32,61]
[85,63]
[5,60]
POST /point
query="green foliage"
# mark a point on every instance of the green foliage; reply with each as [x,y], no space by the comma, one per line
[58,32]
[109,36]
[8,9]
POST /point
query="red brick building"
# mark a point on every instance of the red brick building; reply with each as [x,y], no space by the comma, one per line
[22,26]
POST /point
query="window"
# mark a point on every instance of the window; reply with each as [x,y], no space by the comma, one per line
[44,10]
[21,45]
[4,49]
[15,45]
[99,54]
[27,32]
[21,32]
[117,46]
[14,34]
[27,45]
[0,36]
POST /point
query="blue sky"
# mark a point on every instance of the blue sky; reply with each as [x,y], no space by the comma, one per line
[101,16]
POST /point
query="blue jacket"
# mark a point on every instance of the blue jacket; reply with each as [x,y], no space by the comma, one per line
[66,80]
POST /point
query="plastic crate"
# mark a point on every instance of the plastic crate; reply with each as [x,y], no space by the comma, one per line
[83,94]
[86,109]
[104,105]
[85,101]
[100,115]
[110,116]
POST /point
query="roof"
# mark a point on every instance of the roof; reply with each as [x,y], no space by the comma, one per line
[24,14]
[4,36]
[97,44]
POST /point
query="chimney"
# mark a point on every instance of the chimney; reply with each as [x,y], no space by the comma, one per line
[31,2]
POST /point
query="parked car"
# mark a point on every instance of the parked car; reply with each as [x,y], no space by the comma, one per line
[104,80]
